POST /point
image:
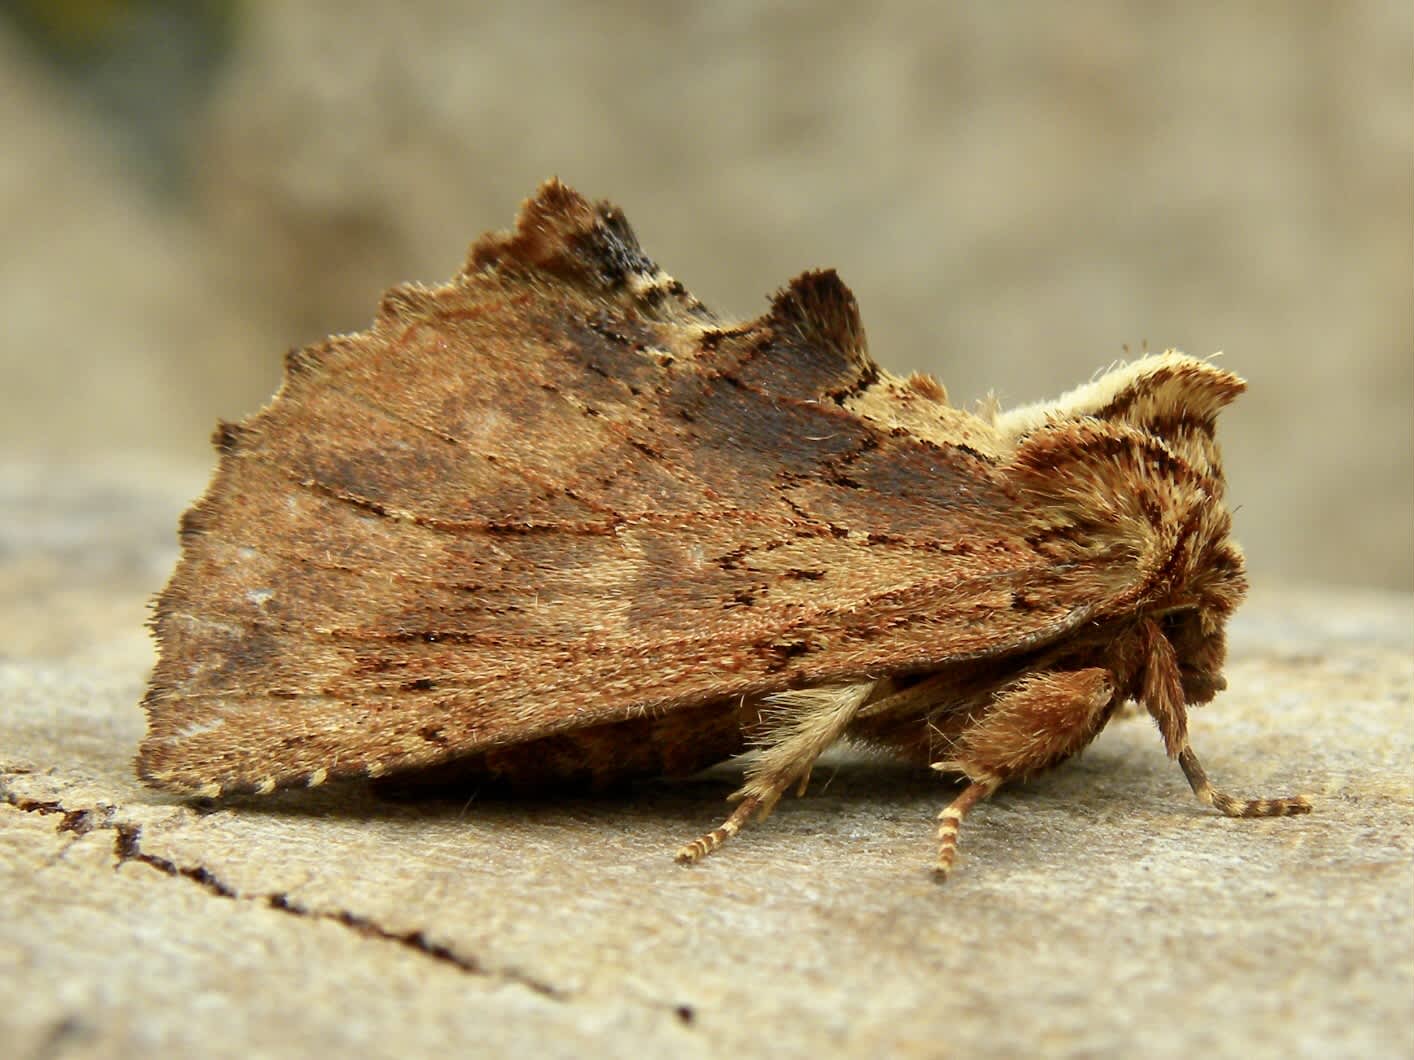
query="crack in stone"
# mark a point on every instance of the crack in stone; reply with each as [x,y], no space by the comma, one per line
[418,940]
[69,1031]
[127,846]
[79,822]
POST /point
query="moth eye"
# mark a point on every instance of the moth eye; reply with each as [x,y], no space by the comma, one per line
[1181,626]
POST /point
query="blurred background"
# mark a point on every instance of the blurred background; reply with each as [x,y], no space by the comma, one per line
[1016,193]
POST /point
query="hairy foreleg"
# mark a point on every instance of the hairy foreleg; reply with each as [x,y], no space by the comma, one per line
[1030,725]
[799,727]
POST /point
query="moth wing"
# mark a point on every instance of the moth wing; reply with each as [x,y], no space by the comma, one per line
[558,492]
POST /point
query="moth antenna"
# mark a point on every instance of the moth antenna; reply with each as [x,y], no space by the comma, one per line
[1285,806]
[950,820]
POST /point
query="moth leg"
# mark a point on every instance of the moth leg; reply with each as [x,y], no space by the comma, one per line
[1283,806]
[916,698]
[703,845]
[950,820]
[1163,696]
[1028,726]
[799,727]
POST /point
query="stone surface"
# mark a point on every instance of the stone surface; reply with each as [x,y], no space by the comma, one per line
[1099,911]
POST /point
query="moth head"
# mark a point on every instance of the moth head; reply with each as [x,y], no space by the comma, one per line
[1133,459]
[1209,577]
[1195,618]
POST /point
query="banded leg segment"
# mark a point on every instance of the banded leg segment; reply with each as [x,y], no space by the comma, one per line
[1282,806]
[801,725]
[1163,696]
[950,820]
[703,845]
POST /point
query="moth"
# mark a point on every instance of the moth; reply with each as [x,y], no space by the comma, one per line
[556,521]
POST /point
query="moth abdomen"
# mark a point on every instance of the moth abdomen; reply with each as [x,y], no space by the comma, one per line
[596,757]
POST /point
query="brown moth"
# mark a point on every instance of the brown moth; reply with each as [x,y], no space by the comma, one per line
[555,520]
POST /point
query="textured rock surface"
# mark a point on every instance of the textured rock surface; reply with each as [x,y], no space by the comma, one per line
[1098,911]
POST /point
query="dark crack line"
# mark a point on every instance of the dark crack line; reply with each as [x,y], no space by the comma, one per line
[418,941]
[127,846]
[78,822]
[70,1031]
